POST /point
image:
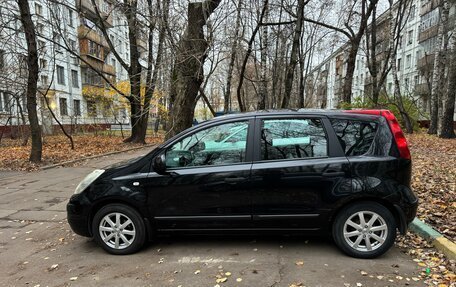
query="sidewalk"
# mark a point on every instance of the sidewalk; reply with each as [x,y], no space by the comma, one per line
[43,195]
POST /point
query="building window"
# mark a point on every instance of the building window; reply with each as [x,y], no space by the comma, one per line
[417,80]
[95,50]
[412,12]
[408,61]
[23,66]
[72,45]
[63,107]
[44,80]
[41,46]
[43,64]
[38,9]
[40,28]
[56,40]
[399,64]
[60,75]
[75,78]
[70,18]
[406,82]
[2,59]
[77,107]
[91,109]
[4,102]
[410,37]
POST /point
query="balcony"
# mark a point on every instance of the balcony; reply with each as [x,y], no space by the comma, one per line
[87,33]
[429,6]
[428,33]
[87,8]
[426,62]
[95,64]
[422,89]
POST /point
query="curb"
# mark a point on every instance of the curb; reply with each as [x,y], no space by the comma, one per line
[437,240]
[95,156]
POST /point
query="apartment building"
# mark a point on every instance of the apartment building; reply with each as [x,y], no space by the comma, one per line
[72,54]
[414,60]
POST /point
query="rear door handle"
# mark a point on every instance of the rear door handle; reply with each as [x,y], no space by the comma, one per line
[233,180]
[333,174]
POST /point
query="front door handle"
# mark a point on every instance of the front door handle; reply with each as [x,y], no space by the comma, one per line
[233,180]
[333,174]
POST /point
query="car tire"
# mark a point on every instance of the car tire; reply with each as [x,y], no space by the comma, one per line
[119,229]
[364,230]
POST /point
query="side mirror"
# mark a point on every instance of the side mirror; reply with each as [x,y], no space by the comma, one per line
[159,164]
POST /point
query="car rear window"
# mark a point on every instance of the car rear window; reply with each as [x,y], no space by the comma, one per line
[355,137]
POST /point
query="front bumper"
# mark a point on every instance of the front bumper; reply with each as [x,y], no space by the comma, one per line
[77,218]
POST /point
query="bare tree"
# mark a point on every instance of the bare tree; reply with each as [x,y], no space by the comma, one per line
[439,66]
[396,18]
[233,54]
[32,63]
[289,78]
[188,69]
[355,17]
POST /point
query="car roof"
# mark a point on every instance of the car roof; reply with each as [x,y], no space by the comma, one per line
[316,112]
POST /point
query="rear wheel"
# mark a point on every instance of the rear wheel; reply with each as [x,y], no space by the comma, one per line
[119,229]
[364,230]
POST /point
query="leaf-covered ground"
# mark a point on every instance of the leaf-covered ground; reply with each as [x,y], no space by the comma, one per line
[57,149]
[434,181]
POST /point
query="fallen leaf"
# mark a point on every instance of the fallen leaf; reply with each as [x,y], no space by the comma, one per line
[221,280]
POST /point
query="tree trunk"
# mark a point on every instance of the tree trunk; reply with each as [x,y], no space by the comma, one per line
[134,73]
[227,97]
[289,79]
[32,79]
[263,94]
[446,128]
[348,81]
[188,67]
[153,68]
[372,52]
[439,68]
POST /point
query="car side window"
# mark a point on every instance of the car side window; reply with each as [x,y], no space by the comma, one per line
[355,137]
[218,145]
[292,138]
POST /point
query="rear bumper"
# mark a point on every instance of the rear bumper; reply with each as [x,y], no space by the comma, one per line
[406,214]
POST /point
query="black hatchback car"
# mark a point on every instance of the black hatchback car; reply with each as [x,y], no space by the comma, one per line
[345,173]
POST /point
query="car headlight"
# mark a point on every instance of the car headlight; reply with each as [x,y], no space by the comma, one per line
[91,177]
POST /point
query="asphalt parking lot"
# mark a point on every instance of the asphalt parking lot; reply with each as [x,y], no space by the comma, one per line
[37,248]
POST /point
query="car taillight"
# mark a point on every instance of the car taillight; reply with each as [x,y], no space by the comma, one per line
[399,137]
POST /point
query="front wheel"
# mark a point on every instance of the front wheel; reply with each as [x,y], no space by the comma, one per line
[364,230]
[119,229]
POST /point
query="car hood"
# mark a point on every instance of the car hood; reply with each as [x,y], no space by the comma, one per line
[122,164]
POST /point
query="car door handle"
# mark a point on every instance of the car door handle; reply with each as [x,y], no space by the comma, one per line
[333,174]
[233,180]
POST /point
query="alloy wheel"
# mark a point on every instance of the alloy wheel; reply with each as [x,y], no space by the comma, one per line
[117,230]
[365,231]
